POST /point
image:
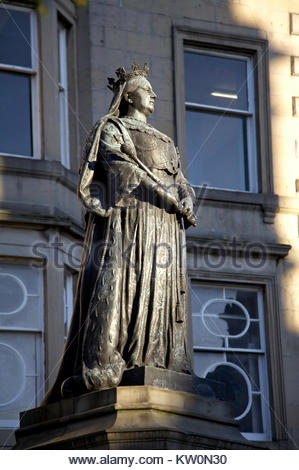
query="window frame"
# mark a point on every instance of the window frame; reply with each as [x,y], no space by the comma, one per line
[250,115]
[62,55]
[261,353]
[66,16]
[68,298]
[37,331]
[186,37]
[34,82]
[269,285]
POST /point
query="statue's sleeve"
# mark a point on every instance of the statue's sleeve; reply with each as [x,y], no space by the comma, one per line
[185,189]
[107,174]
[123,174]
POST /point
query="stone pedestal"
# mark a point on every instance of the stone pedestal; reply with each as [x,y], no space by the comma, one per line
[132,417]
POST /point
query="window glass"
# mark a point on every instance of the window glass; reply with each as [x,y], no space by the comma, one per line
[220,120]
[10,360]
[216,81]
[253,417]
[15,42]
[203,337]
[203,361]
[69,282]
[201,295]
[216,148]
[234,386]
[229,320]
[247,298]
[20,341]
[249,363]
[12,294]
[250,339]
[63,93]
[15,115]
[229,351]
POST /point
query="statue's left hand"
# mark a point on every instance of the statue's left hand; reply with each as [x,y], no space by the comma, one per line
[187,206]
[187,211]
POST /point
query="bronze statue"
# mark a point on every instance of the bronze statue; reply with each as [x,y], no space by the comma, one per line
[130,307]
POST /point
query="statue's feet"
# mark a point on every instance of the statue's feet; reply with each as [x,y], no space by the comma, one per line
[104,376]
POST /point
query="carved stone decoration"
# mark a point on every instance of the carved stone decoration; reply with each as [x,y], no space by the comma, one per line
[130,306]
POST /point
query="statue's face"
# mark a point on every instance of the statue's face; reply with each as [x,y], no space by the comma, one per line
[143,97]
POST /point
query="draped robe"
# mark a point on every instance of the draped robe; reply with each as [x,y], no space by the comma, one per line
[130,306]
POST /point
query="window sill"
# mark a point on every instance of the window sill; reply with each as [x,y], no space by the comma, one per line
[267,202]
[51,169]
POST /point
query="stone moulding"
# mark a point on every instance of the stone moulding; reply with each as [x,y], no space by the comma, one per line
[132,417]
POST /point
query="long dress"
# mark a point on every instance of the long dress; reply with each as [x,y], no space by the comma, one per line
[130,307]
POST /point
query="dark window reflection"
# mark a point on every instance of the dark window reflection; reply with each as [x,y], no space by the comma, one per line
[15,114]
[250,340]
[249,363]
[225,318]
[15,38]
[247,298]
[253,420]
[234,387]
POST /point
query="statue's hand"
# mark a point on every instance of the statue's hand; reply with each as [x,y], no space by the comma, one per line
[187,204]
[169,199]
[187,211]
[95,206]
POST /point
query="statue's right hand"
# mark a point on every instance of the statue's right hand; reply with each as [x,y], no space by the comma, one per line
[178,206]
[169,198]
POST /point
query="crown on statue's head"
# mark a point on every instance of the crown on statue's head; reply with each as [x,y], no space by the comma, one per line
[124,77]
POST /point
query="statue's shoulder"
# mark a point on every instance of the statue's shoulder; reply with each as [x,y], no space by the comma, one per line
[114,125]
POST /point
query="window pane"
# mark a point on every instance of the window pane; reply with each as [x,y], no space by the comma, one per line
[204,361]
[225,318]
[251,339]
[234,387]
[249,363]
[68,300]
[216,150]
[15,114]
[18,352]
[21,302]
[29,316]
[252,422]
[246,298]
[216,81]
[234,376]
[10,384]
[201,295]
[12,294]
[203,337]
[15,47]
[25,401]
[63,94]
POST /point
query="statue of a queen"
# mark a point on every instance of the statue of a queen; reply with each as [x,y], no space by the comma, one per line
[130,305]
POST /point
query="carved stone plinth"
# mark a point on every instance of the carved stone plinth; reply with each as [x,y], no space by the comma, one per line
[172,380]
[132,417]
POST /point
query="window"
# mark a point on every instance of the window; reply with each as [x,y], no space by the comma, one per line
[229,348]
[220,120]
[19,134]
[69,282]
[21,327]
[63,93]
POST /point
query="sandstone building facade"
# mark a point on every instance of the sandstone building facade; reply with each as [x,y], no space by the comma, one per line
[226,73]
